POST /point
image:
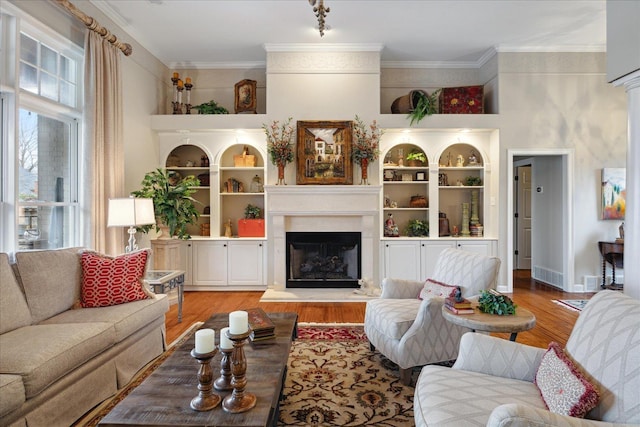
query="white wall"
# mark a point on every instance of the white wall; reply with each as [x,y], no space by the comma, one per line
[564,101]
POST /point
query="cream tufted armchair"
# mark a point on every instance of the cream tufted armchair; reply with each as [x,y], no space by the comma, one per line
[412,332]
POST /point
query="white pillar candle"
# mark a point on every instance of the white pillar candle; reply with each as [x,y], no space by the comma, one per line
[205,341]
[225,342]
[238,322]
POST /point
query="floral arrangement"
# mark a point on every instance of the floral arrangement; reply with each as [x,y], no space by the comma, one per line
[279,143]
[365,142]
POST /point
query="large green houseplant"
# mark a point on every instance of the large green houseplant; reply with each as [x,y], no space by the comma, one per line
[172,201]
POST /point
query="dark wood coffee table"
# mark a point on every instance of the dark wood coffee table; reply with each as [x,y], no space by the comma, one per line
[163,399]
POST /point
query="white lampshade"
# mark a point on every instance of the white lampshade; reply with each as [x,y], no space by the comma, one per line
[130,211]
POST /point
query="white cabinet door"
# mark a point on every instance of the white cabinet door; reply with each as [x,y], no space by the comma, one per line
[402,259]
[483,247]
[210,263]
[245,262]
[429,253]
[186,261]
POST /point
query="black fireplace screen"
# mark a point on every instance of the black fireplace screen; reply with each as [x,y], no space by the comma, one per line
[323,259]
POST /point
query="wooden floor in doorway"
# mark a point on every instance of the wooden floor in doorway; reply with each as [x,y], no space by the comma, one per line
[553,322]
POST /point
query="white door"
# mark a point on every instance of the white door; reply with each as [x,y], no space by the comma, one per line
[245,263]
[523,218]
[209,263]
[402,259]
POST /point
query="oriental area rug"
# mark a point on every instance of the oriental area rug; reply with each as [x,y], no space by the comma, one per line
[333,379]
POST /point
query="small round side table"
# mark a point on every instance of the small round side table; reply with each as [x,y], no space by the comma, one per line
[522,320]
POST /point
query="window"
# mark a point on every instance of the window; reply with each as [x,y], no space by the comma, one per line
[46,72]
[40,135]
[47,188]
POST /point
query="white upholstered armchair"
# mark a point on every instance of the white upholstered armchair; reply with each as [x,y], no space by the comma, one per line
[492,381]
[412,332]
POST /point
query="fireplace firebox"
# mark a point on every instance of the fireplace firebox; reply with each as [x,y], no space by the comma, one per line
[323,259]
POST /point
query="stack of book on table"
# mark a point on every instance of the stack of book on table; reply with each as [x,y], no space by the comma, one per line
[458,307]
[262,327]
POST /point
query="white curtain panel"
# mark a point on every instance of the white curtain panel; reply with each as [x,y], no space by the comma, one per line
[103,147]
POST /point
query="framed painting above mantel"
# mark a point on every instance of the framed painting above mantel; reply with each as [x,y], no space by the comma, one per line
[324,152]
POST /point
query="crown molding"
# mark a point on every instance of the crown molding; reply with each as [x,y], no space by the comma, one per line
[510,48]
[323,47]
[247,65]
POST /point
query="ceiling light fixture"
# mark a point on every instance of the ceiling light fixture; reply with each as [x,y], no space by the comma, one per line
[321,14]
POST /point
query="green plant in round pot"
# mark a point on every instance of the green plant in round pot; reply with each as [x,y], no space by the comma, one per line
[416,158]
[252,225]
[173,201]
[417,228]
[211,107]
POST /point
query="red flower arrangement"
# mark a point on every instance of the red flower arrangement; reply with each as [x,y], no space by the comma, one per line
[366,143]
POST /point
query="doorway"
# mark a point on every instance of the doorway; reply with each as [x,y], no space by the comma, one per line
[542,242]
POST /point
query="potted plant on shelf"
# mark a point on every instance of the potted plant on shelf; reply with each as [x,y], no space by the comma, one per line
[365,147]
[211,107]
[172,201]
[279,145]
[416,158]
[417,228]
[251,225]
[425,106]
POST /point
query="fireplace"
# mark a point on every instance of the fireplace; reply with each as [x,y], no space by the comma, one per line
[323,259]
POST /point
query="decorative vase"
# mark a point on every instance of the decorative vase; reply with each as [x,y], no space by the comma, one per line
[364,166]
[465,220]
[280,174]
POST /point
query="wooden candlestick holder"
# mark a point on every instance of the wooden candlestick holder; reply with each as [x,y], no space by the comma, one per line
[239,400]
[206,400]
[223,383]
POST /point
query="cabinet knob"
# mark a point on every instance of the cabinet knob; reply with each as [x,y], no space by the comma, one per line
[189,245]
[225,245]
[260,244]
[387,245]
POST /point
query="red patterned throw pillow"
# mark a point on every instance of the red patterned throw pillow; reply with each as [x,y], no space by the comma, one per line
[434,288]
[113,280]
[564,389]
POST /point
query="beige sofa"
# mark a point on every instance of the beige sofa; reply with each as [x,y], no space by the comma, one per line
[57,362]
[492,384]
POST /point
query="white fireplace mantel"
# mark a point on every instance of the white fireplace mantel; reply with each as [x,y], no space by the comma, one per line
[322,208]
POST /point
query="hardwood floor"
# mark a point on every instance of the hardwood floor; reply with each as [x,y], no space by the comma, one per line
[553,322]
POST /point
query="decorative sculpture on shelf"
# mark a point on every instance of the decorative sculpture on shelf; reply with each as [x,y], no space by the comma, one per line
[390,227]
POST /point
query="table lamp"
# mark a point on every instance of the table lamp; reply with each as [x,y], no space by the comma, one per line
[130,212]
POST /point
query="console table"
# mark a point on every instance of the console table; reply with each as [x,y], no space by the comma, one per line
[613,253]
[162,281]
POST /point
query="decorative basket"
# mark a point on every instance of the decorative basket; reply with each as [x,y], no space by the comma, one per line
[250,227]
[418,201]
[406,103]
[244,160]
